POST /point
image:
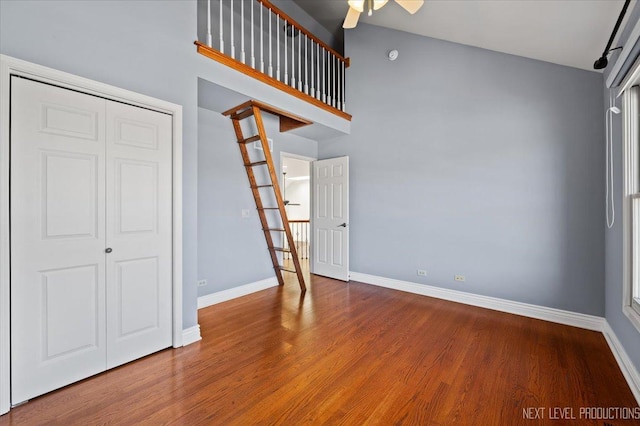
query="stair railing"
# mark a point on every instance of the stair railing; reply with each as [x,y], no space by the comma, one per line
[300,232]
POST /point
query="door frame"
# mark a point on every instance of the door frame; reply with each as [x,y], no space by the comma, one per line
[12,66]
[283,155]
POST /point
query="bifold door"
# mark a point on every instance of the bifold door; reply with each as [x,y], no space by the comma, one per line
[90,235]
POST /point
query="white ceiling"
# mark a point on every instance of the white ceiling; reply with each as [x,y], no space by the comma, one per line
[566,32]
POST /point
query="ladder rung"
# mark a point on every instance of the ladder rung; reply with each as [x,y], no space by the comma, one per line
[282,249]
[251,139]
[261,186]
[282,268]
[257,163]
[274,230]
[242,115]
[268,208]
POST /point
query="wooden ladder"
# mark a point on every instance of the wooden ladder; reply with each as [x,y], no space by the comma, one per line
[288,122]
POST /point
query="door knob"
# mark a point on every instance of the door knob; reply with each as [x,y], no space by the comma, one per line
[108,250]
[344,225]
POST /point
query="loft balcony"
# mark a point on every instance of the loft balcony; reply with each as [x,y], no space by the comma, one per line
[261,41]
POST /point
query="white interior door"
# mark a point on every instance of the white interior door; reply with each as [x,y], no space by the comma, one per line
[138,236]
[57,237]
[331,218]
[91,235]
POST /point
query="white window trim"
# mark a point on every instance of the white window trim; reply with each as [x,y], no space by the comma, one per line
[12,66]
[630,189]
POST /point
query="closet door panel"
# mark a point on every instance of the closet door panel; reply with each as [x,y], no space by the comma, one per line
[57,237]
[139,232]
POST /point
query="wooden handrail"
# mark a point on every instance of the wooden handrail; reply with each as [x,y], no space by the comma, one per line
[299,221]
[225,59]
[302,29]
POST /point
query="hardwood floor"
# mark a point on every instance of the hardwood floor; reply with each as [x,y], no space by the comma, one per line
[351,354]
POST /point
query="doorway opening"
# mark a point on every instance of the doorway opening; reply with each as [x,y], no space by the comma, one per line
[295,180]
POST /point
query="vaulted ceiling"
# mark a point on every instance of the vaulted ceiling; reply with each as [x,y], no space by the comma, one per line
[566,32]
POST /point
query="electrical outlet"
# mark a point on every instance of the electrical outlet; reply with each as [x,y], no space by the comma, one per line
[422,273]
[460,278]
[202,283]
[244,213]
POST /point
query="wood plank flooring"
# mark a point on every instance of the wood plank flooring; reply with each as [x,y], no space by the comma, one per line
[351,354]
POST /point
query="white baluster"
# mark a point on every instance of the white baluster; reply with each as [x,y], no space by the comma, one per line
[278,47]
[335,85]
[293,57]
[299,61]
[338,91]
[253,49]
[221,33]
[344,86]
[261,41]
[313,91]
[209,38]
[338,75]
[318,92]
[324,79]
[306,66]
[329,78]
[233,47]
[270,50]
[332,79]
[242,55]
[286,63]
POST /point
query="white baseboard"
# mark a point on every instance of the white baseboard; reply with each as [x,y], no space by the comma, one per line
[191,335]
[233,293]
[590,322]
[626,366]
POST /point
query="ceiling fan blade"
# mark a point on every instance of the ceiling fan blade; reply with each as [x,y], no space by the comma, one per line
[351,20]
[411,6]
[357,5]
[377,4]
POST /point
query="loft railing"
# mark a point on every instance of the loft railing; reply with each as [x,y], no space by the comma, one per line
[259,39]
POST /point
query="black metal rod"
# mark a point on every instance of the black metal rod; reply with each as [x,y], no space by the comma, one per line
[615,29]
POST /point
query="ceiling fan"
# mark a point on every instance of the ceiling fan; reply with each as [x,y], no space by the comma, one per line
[356,7]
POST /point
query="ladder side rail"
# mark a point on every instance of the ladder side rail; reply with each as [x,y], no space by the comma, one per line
[258,200]
[276,189]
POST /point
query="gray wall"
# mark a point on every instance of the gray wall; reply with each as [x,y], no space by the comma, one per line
[147,47]
[308,22]
[143,46]
[625,331]
[468,161]
[232,250]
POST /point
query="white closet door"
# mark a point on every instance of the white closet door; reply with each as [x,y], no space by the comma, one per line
[57,237]
[91,235]
[139,224]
